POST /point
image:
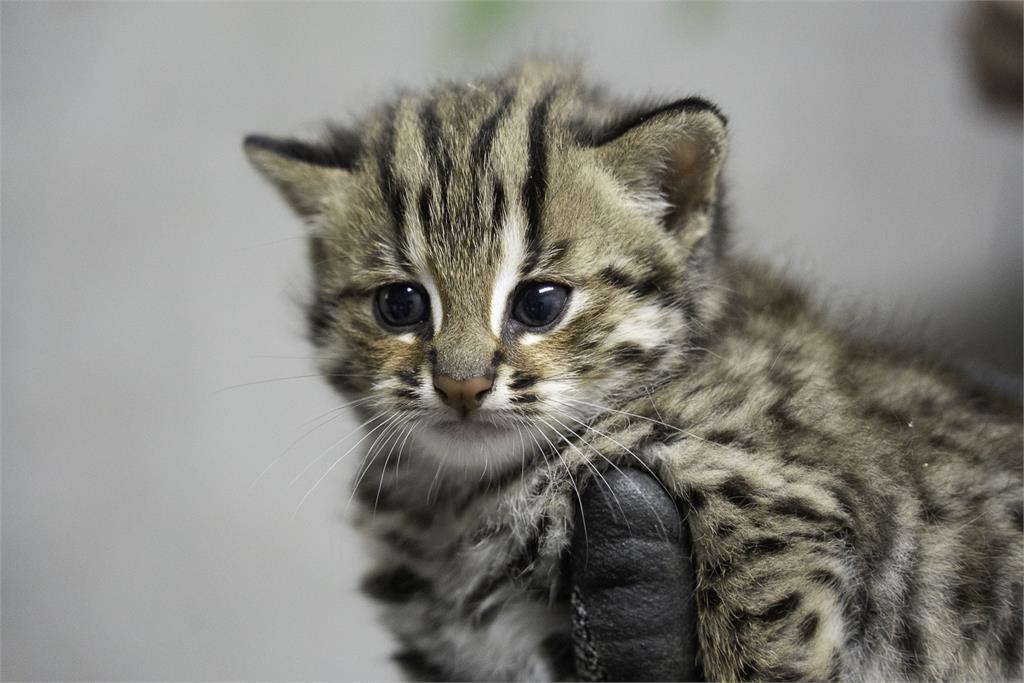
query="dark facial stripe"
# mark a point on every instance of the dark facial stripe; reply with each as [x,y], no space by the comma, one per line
[408,378]
[535,186]
[485,136]
[392,190]
[616,278]
[438,155]
[352,292]
[555,253]
[522,381]
[498,209]
[480,151]
[425,217]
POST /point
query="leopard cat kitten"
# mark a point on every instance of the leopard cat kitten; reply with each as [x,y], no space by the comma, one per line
[525,283]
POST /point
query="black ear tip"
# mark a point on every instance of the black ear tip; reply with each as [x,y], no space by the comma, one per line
[700,104]
[595,137]
[340,151]
[258,142]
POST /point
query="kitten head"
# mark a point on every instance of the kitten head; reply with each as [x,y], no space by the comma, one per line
[495,261]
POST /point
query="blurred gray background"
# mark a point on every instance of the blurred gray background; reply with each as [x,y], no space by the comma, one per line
[146,270]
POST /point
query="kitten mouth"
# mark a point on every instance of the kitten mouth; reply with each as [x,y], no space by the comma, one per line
[470,428]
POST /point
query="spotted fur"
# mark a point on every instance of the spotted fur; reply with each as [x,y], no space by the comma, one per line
[855,511]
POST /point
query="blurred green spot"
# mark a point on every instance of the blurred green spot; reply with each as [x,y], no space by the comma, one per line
[698,14]
[475,25]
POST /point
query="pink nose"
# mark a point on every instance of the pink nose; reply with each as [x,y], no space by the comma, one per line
[463,395]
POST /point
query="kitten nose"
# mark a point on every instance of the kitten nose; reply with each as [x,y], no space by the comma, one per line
[463,395]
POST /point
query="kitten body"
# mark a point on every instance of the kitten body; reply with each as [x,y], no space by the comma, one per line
[855,511]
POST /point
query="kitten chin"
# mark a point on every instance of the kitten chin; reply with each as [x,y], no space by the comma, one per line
[476,445]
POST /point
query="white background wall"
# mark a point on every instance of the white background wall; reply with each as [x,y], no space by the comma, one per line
[145,268]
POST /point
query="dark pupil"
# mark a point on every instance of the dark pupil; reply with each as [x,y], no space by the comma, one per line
[538,305]
[402,305]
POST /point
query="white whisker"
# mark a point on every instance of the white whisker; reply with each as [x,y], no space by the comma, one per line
[398,463]
[627,450]
[335,409]
[586,460]
[335,464]
[572,481]
[640,417]
[617,443]
[278,379]
[371,453]
[384,468]
[333,446]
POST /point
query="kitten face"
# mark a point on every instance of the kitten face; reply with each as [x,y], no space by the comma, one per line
[495,262]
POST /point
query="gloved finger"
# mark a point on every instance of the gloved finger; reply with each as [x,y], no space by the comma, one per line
[632,583]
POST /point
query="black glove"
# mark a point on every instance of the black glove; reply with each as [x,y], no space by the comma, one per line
[632,582]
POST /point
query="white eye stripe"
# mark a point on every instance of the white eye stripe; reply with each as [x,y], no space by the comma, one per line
[436,310]
[417,246]
[507,276]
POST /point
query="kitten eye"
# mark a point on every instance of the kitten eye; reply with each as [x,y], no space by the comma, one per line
[538,304]
[402,305]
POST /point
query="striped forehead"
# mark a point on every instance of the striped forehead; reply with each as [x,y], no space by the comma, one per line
[457,162]
[464,175]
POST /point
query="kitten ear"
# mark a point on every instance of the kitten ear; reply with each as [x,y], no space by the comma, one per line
[670,156]
[304,173]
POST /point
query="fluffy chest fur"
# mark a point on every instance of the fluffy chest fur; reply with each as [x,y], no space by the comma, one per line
[475,590]
[521,283]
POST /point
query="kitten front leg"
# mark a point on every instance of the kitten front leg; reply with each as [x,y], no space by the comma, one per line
[770,607]
[777,578]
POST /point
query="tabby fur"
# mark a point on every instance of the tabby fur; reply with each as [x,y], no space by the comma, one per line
[856,511]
